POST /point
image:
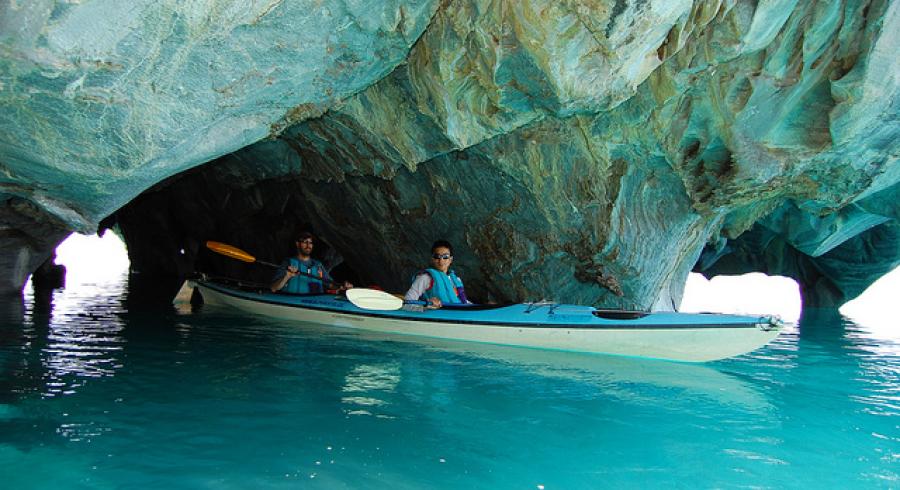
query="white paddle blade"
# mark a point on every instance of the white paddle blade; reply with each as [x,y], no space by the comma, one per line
[373,299]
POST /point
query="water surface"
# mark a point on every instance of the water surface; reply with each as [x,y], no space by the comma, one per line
[99,391]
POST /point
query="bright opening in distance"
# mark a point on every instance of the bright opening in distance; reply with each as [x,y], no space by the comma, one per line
[92,259]
[753,293]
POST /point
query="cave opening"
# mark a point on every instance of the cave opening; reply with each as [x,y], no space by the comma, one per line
[93,261]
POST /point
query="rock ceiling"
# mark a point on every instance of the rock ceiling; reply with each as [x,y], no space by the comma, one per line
[585,150]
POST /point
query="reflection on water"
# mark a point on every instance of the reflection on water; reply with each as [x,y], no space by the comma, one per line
[608,373]
[860,355]
[364,384]
[116,393]
[75,334]
[12,310]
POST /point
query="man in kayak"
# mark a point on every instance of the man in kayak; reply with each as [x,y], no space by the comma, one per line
[438,285]
[303,274]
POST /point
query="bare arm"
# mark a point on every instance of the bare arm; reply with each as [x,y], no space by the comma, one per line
[278,284]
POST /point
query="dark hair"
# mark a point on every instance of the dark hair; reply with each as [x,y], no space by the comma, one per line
[303,235]
[442,243]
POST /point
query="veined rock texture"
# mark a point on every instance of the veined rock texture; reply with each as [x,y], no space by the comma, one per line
[586,151]
[102,99]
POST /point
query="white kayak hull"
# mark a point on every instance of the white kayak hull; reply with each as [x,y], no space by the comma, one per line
[703,341]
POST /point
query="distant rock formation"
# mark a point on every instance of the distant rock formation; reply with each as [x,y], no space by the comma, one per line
[49,275]
[592,152]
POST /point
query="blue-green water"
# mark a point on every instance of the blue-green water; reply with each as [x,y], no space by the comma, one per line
[97,391]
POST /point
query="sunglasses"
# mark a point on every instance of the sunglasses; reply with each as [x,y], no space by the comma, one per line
[441,256]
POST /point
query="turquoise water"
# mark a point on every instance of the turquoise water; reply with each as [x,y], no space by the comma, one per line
[98,391]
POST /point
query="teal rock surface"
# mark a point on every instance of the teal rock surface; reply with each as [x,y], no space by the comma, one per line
[588,151]
[103,99]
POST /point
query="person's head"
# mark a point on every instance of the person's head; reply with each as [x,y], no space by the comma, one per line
[441,255]
[305,243]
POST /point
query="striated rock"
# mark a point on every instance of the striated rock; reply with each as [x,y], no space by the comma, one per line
[101,100]
[587,151]
[28,237]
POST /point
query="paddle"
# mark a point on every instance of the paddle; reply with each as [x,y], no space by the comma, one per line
[236,253]
[373,299]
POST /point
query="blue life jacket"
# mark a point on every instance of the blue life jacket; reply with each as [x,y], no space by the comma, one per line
[444,287]
[306,284]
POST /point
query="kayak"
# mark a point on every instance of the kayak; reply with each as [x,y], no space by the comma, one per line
[688,337]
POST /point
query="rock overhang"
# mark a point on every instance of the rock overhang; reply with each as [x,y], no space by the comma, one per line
[589,149]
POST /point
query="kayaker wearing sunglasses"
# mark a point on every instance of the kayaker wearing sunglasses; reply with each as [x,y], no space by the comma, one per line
[438,284]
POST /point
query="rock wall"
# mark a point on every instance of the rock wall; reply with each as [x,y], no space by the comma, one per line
[102,100]
[28,237]
[588,151]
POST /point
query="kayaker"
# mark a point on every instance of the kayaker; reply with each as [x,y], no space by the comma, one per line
[303,274]
[438,285]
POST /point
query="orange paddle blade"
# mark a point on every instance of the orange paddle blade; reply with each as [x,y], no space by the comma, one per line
[229,251]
